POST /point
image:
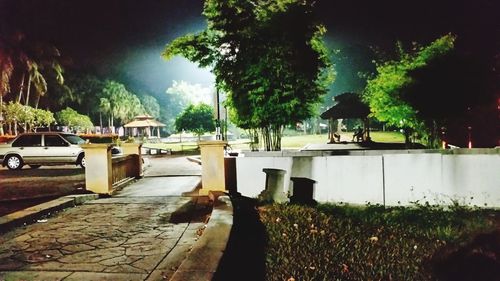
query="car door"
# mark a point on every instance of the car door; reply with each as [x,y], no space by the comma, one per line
[57,150]
[29,147]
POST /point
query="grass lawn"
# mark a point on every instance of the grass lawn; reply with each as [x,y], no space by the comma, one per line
[352,243]
[288,142]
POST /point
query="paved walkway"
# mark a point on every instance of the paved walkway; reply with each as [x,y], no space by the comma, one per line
[143,233]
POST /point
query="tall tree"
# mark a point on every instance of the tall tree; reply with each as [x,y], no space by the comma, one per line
[6,69]
[427,88]
[268,56]
[150,105]
[119,103]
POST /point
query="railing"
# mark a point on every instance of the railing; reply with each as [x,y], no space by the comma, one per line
[103,173]
[124,169]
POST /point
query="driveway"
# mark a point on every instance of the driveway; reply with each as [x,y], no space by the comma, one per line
[143,233]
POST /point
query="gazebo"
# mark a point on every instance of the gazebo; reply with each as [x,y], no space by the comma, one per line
[348,105]
[143,126]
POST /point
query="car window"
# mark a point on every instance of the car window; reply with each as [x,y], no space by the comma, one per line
[28,140]
[73,139]
[54,140]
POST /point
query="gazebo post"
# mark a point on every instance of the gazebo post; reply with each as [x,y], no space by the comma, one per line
[367,129]
[330,130]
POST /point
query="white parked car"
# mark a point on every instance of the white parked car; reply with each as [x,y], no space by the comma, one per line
[45,148]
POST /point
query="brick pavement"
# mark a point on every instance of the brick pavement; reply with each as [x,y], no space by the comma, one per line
[129,237]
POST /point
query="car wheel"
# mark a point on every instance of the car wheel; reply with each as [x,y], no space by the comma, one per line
[14,162]
[81,161]
[35,166]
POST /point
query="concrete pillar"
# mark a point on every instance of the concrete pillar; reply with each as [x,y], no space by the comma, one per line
[212,166]
[134,148]
[98,170]
[275,186]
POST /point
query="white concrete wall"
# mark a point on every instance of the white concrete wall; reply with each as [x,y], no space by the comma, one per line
[251,179]
[396,178]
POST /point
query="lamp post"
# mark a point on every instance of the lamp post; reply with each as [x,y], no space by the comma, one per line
[469,129]
[218,135]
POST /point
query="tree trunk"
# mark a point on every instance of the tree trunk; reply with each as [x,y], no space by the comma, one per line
[100,122]
[37,101]
[1,115]
[21,88]
[271,136]
[26,101]
[254,139]
[406,132]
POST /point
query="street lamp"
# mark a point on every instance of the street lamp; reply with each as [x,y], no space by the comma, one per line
[218,135]
[470,136]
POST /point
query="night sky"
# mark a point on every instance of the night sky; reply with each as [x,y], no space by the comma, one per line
[124,38]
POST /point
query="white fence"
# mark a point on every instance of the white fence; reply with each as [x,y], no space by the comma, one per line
[471,177]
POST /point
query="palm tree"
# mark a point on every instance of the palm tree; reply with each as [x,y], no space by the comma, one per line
[32,63]
[6,69]
[36,78]
[105,107]
[48,56]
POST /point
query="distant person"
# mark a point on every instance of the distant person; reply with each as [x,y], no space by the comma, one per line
[358,134]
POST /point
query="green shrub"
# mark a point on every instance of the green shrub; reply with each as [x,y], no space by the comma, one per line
[333,242]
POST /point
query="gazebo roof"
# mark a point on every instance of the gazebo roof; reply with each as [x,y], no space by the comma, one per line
[144,123]
[348,105]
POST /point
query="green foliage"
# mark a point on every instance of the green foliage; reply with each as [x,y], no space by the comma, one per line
[26,116]
[267,55]
[43,118]
[82,93]
[385,93]
[351,243]
[151,106]
[119,103]
[107,99]
[69,117]
[197,119]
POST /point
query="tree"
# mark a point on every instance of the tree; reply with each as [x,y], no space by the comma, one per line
[83,93]
[43,118]
[74,120]
[178,97]
[387,92]
[432,87]
[150,105]
[197,119]
[6,69]
[14,114]
[30,118]
[119,103]
[268,56]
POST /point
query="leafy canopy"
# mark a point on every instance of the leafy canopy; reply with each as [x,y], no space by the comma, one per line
[386,93]
[267,55]
[69,117]
[197,119]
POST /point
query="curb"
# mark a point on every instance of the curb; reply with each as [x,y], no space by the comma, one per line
[204,258]
[33,213]
[195,159]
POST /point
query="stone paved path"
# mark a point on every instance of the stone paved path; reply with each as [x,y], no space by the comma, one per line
[138,235]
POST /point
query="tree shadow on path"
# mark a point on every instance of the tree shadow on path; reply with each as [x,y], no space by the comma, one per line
[244,258]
